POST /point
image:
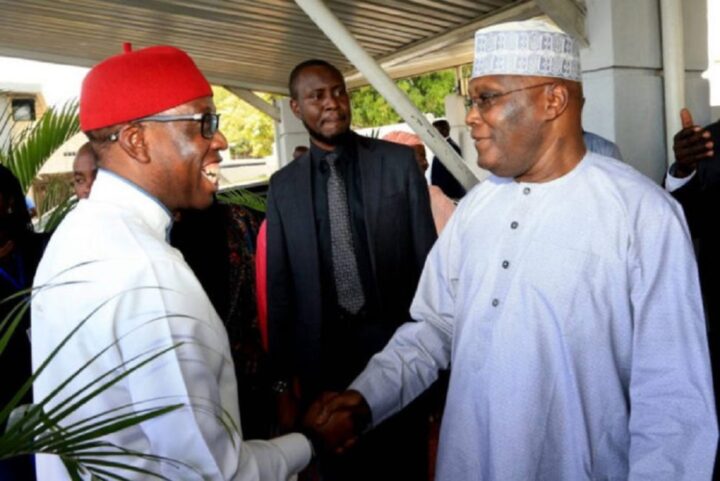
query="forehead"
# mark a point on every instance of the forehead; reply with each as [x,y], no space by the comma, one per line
[84,161]
[318,77]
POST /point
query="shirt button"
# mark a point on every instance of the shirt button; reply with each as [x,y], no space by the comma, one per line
[526,190]
[495,302]
[505,264]
[513,225]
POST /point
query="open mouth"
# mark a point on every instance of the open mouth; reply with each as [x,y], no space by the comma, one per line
[212,173]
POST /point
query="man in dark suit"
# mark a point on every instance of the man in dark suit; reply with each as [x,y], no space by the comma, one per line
[349,227]
[694,180]
[439,174]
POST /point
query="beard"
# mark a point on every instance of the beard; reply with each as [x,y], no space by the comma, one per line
[332,140]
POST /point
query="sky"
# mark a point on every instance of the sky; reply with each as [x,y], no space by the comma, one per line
[59,82]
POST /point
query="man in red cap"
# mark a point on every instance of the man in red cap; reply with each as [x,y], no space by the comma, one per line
[150,118]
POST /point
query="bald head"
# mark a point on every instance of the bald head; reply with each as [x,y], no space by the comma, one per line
[84,171]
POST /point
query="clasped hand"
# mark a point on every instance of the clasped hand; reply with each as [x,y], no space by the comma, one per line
[335,421]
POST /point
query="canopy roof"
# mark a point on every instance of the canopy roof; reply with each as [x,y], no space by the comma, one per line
[253,44]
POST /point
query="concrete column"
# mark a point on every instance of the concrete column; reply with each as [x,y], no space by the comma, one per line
[623,77]
[289,133]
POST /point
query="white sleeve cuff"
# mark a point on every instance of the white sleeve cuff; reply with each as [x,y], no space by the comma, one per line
[674,183]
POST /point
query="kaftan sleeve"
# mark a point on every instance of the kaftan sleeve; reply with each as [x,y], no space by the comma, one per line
[672,420]
[198,373]
[410,362]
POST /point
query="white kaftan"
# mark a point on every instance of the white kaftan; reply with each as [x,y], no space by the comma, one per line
[570,313]
[146,298]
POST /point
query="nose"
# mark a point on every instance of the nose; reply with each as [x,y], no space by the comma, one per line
[473,116]
[219,141]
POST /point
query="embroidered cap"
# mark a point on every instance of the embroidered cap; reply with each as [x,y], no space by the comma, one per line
[533,48]
[139,83]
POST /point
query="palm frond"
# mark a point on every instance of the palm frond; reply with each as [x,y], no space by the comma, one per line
[35,145]
[81,445]
[52,219]
[244,198]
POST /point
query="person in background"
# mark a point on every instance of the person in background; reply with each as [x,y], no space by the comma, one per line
[694,180]
[601,145]
[563,291]
[348,228]
[299,151]
[439,174]
[85,167]
[219,245]
[20,251]
[442,206]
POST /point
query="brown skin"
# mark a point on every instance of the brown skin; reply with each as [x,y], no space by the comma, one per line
[84,171]
[166,159]
[322,104]
[421,157]
[533,135]
[336,420]
[691,145]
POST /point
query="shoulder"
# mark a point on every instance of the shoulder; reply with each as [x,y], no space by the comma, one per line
[623,184]
[288,173]
[383,146]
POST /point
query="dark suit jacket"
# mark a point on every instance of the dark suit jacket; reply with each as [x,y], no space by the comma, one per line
[441,176]
[700,199]
[400,233]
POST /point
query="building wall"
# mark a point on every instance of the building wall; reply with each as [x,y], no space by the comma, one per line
[623,82]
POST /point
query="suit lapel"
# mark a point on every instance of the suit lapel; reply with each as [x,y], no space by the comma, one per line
[303,213]
[371,169]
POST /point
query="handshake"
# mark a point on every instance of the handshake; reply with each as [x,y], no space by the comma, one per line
[334,421]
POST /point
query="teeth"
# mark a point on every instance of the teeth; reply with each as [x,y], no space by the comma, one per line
[212,172]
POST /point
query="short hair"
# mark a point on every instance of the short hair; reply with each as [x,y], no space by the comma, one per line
[295,73]
[442,125]
[87,148]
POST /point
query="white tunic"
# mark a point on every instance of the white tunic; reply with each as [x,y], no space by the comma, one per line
[570,313]
[146,298]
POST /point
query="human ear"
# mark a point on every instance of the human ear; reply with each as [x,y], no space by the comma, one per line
[557,99]
[295,107]
[131,138]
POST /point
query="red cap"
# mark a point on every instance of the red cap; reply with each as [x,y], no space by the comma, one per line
[136,84]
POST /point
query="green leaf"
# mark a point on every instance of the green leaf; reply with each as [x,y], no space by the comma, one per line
[244,198]
[36,144]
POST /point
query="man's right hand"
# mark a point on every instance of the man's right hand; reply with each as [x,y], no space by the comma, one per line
[335,420]
[691,145]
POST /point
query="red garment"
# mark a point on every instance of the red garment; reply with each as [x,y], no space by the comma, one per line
[261,283]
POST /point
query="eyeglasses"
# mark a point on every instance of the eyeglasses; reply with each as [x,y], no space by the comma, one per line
[486,100]
[209,122]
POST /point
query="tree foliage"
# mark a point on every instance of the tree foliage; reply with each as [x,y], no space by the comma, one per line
[249,132]
[427,92]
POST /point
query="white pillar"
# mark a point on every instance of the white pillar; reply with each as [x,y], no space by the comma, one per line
[622,77]
[346,43]
[671,20]
[289,133]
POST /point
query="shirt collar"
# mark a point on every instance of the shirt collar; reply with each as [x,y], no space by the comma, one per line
[111,188]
